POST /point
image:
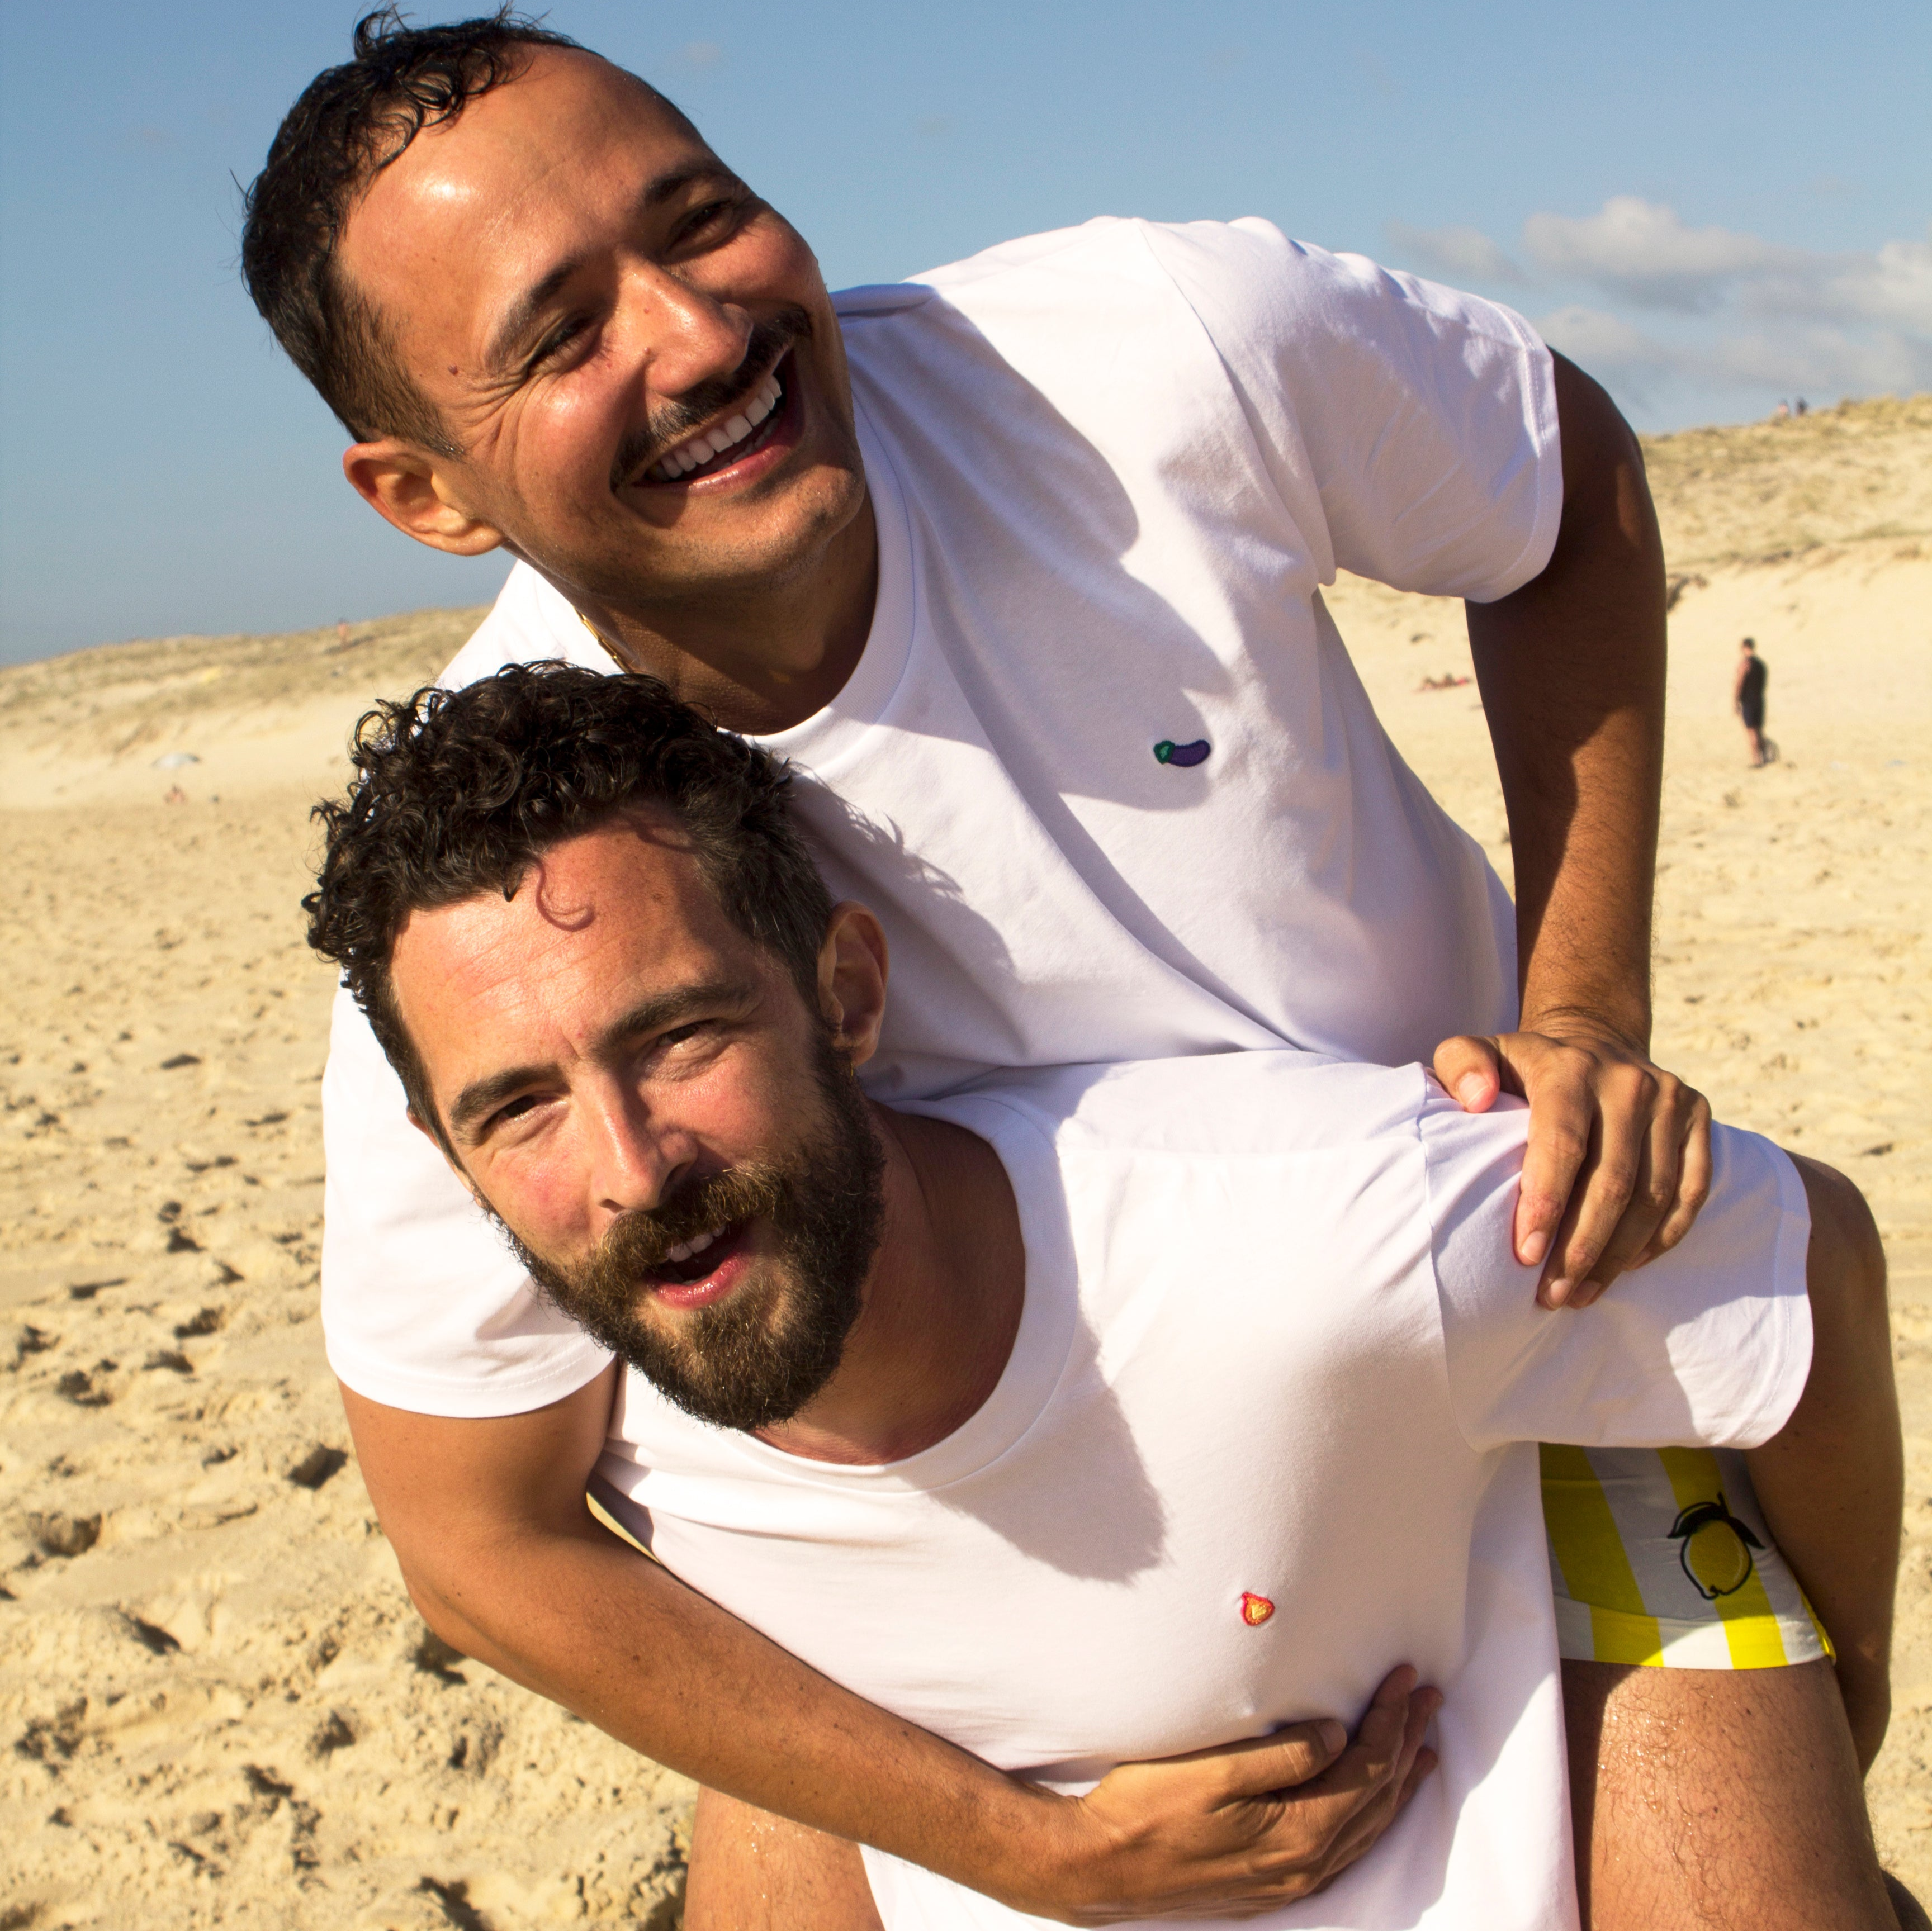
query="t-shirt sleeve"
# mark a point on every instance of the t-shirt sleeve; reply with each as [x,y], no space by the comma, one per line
[424,1305]
[1411,427]
[1709,1345]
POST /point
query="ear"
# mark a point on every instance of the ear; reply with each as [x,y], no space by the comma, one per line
[852,971]
[409,486]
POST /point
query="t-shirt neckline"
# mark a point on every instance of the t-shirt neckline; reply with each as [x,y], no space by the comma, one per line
[862,698]
[1041,1345]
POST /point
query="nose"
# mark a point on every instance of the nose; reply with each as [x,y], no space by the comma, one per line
[688,337]
[636,1159]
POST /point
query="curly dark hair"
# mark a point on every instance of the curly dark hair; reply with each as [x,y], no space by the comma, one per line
[459,792]
[350,123]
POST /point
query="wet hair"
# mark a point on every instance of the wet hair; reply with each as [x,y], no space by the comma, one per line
[459,792]
[350,123]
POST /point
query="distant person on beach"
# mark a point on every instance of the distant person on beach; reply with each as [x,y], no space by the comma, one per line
[1021,564]
[1748,700]
[1088,1413]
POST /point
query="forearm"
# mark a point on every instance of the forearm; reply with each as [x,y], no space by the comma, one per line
[1571,668]
[588,1623]
[1831,1482]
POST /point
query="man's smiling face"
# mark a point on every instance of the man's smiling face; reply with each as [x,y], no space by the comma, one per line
[635,357]
[646,1102]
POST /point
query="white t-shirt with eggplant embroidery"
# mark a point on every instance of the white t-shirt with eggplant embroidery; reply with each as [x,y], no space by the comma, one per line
[1103,770]
[1265,1431]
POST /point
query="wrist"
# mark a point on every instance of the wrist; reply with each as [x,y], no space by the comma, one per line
[1622,1022]
[1037,1850]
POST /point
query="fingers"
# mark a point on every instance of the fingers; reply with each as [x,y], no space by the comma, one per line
[1417,1712]
[1228,1833]
[1412,1764]
[1638,1184]
[1622,1192]
[1377,1755]
[1555,1079]
[1425,1761]
[1468,1067]
[1617,1167]
[1288,1757]
[1693,1184]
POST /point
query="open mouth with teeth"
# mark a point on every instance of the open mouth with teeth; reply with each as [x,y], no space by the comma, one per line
[702,1268]
[755,421]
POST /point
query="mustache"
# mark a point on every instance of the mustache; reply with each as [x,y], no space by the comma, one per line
[673,423]
[640,1242]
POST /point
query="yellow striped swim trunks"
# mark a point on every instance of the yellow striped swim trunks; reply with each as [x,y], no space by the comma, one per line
[1659,1556]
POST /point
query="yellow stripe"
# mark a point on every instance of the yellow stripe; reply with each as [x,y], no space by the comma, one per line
[1750,1624]
[1590,1552]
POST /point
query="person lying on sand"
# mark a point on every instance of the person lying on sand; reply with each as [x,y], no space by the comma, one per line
[1086,1413]
[1023,562]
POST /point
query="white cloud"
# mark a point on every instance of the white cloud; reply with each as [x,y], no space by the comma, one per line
[1710,311]
[1456,253]
[1785,359]
[1825,361]
[1892,287]
[1605,344]
[1642,250]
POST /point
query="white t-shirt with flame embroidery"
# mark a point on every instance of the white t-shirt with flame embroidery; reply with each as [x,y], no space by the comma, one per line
[1264,1433]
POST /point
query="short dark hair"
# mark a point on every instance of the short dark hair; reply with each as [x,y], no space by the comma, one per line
[350,123]
[459,792]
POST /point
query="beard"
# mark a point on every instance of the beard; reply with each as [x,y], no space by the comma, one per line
[760,1355]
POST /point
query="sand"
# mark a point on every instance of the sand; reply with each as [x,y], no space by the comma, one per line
[222,1708]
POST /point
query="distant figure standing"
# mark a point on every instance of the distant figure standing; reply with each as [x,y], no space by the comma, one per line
[1781,413]
[1748,700]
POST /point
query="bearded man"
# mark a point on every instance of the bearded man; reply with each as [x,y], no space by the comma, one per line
[1086,1413]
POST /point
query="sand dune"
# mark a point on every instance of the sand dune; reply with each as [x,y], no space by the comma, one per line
[223,1708]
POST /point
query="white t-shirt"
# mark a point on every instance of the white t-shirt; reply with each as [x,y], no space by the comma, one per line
[1111,468]
[1274,1351]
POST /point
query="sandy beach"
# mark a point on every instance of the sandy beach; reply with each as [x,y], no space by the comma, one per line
[221,1707]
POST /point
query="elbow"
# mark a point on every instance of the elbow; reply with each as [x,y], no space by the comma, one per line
[440,1614]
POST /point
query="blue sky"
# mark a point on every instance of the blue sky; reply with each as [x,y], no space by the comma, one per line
[1712,206]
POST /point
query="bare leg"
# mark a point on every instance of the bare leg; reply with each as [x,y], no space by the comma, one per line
[1707,1799]
[751,1871]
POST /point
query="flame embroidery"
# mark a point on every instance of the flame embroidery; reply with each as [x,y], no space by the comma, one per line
[1255,1610]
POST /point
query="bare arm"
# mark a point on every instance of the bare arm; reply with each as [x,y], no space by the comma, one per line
[1831,1482]
[505,1561]
[1571,668]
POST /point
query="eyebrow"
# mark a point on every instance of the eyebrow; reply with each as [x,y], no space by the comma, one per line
[526,309]
[482,1097]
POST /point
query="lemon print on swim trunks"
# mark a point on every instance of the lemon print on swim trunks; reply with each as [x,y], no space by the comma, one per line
[1716,1548]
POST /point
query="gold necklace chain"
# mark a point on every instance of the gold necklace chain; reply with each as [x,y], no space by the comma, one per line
[603,643]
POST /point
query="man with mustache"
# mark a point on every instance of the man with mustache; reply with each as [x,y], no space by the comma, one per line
[1024,562]
[1085,1413]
